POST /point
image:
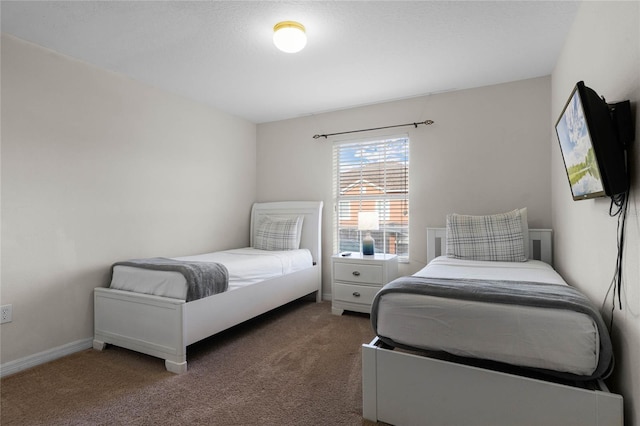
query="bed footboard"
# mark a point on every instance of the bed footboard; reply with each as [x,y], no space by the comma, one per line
[401,388]
[164,327]
[149,324]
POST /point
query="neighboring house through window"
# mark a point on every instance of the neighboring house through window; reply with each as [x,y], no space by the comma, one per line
[372,175]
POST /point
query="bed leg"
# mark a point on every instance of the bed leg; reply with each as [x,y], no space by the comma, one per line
[369,383]
[176,367]
[318,296]
[99,345]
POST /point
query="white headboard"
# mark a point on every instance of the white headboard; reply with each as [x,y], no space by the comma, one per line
[539,244]
[311,226]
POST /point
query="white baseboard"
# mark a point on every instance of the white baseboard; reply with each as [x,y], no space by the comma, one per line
[17,365]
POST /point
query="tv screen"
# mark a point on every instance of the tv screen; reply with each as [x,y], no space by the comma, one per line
[593,156]
[577,151]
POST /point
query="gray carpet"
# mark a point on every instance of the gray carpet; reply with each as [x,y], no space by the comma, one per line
[297,365]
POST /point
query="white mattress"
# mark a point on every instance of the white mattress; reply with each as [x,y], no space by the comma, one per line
[246,266]
[551,339]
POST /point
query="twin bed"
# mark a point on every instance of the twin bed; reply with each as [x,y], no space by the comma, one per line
[486,334]
[151,307]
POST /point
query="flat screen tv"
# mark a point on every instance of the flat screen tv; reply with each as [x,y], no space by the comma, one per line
[593,154]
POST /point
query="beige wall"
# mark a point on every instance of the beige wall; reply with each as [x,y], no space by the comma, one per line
[487,152]
[603,49]
[98,168]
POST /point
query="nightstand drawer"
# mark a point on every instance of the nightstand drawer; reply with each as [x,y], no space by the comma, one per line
[358,273]
[355,293]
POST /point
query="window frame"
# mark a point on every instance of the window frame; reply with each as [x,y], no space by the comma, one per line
[395,236]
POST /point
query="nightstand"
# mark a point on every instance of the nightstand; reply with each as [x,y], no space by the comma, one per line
[356,279]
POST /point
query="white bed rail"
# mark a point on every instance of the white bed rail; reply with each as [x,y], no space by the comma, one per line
[406,389]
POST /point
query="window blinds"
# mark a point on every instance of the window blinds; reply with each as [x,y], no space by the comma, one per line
[372,175]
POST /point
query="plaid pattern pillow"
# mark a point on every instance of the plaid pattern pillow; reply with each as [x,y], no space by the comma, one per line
[496,237]
[278,234]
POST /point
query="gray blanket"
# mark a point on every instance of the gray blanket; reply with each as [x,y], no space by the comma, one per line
[203,278]
[519,293]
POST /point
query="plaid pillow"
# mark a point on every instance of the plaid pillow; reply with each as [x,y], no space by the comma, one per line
[496,237]
[278,234]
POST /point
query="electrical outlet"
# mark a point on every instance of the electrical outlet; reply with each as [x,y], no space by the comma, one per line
[6,313]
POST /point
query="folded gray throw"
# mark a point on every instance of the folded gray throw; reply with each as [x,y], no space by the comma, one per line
[203,278]
[517,293]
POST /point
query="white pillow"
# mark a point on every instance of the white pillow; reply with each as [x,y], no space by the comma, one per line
[278,233]
[496,237]
[300,220]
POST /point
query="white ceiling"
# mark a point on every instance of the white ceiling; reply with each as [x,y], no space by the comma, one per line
[358,52]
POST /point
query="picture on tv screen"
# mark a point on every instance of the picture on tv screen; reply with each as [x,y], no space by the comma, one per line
[577,151]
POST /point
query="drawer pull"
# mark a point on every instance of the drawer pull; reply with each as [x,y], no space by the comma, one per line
[356,273]
[356,294]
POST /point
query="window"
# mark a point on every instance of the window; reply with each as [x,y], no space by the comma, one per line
[372,175]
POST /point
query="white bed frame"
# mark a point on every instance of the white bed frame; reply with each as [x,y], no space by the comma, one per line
[164,327]
[406,389]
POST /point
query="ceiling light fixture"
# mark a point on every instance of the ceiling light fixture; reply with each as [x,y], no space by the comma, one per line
[289,36]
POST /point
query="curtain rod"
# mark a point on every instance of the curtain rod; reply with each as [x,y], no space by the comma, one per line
[426,123]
